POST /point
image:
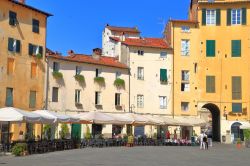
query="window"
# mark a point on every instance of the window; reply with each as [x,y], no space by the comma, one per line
[56,66]
[185,29]
[140,52]
[10,67]
[14,45]
[211,17]
[55,94]
[78,70]
[163,54]
[184,106]
[118,74]
[9,97]
[118,99]
[97,98]
[237,107]
[185,47]
[210,48]
[140,73]
[163,75]
[210,84]
[236,88]
[236,16]
[77,96]
[35,50]
[33,70]
[163,102]
[35,26]
[12,18]
[32,100]
[98,72]
[195,67]
[185,86]
[236,48]
[140,101]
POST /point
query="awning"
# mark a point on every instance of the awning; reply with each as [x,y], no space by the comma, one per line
[245,125]
[96,118]
[10,114]
[190,121]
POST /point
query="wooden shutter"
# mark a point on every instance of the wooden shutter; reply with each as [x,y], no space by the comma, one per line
[204,19]
[12,18]
[210,48]
[33,70]
[10,66]
[228,17]
[41,50]
[236,88]
[244,16]
[10,44]
[237,107]
[55,94]
[163,75]
[116,99]
[236,48]
[218,16]
[210,84]
[96,98]
[18,46]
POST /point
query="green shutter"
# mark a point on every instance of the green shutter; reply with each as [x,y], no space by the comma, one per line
[236,88]
[32,99]
[210,84]
[244,16]
[228,17]
[9,97]
[236,48]
[18,46]
[163,75]
[10,44]
[217,17]
[30,49]
[76,131]
[210,48]
[204,19]
[41,50]
[237,107]
[12,18]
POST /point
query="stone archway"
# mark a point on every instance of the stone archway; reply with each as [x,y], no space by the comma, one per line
[215,112]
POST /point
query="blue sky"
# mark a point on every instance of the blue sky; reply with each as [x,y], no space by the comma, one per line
[78,24]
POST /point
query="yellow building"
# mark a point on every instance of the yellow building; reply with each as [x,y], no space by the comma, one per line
[22,59]
[210,66]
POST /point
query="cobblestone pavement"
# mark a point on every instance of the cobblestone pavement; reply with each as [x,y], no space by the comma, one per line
[219,155]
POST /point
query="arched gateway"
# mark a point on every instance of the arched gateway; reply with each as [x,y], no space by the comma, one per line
[215,112]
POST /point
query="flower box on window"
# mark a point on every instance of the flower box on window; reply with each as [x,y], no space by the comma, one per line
[99,80]
[79,78]
[119,82]
[57,74]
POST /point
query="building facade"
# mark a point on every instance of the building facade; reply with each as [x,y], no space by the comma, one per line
[210,69]
[22,59]
[88,83]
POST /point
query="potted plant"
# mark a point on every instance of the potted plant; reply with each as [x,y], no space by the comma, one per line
[39,56]
[247,138]
[20,149]
[57,74]
[99,80]
[64,131]
[238,143]
[79,78]
[119,82]
[130,141]
[87,134]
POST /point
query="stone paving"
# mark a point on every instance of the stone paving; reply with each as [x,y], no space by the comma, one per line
[219,155]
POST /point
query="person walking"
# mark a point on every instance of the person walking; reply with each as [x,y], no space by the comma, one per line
[202,143]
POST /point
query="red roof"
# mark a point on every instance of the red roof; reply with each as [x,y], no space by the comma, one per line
[147,42]
[117,39]
[123,29]
[185,21]
[103,60]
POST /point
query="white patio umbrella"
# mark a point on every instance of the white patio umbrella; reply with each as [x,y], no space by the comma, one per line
[58,118]
[154,120]
[138,119]
[121,118]
[10,114]
[190,121]
[245,126]
[96,118]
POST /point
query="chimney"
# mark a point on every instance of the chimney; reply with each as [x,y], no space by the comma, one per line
[21,1]
[97,52]
[70,52]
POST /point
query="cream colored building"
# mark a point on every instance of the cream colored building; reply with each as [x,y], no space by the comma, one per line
[71,96]
[150,64]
